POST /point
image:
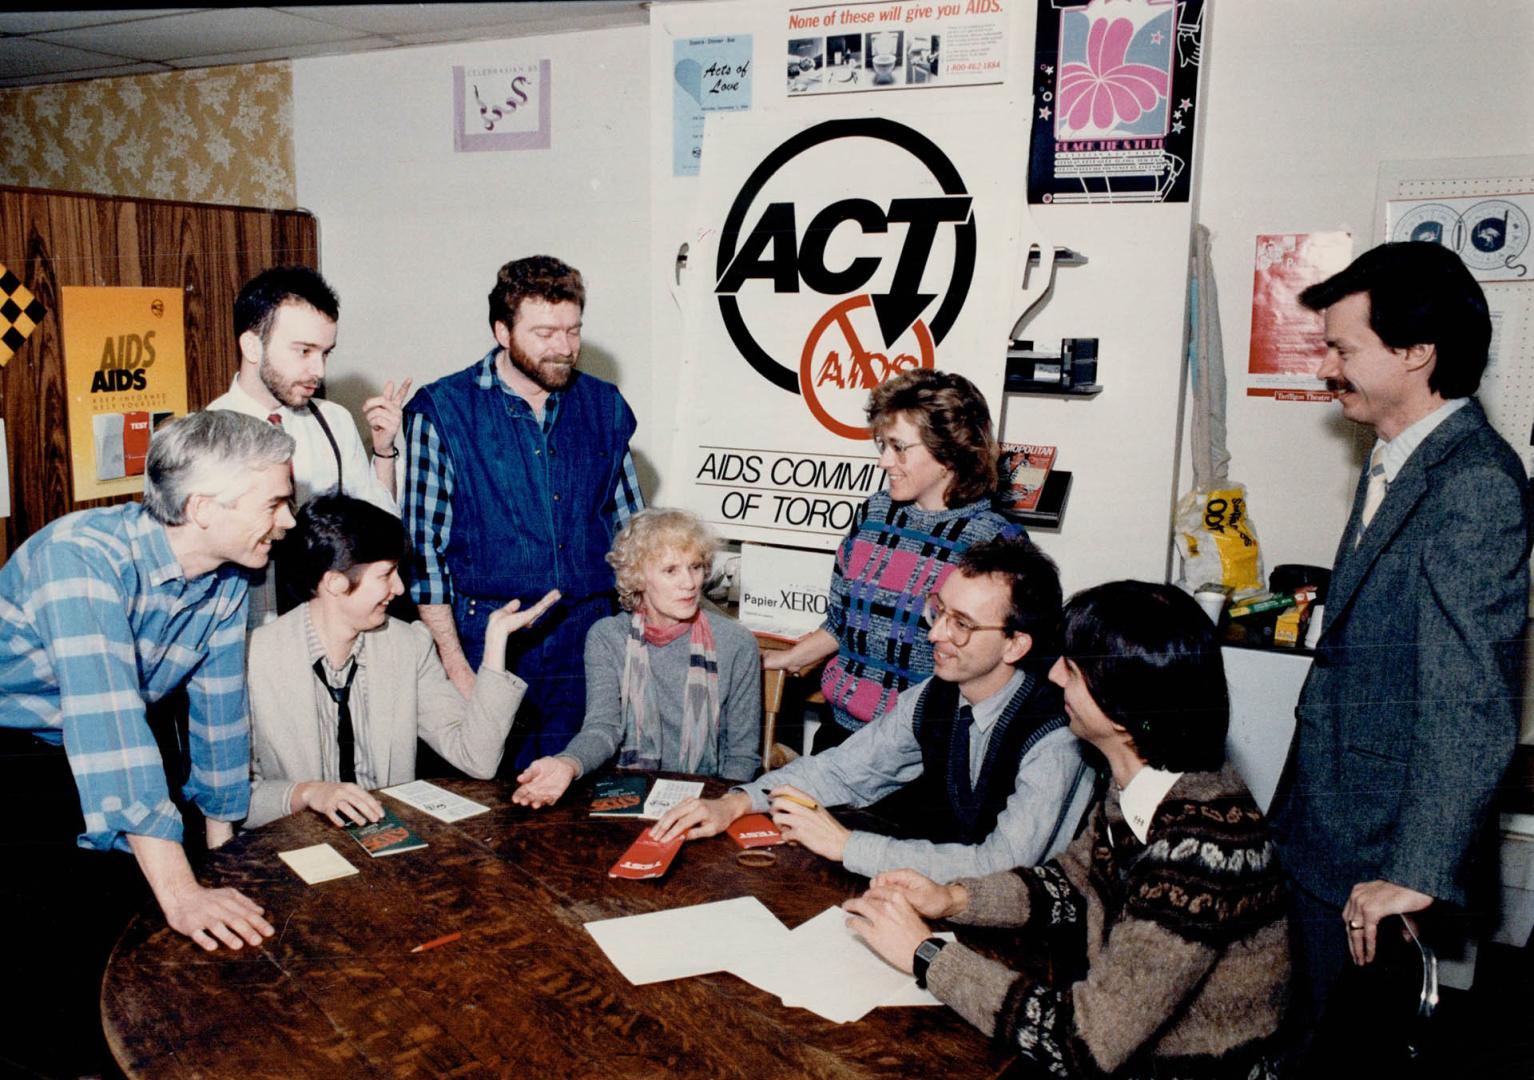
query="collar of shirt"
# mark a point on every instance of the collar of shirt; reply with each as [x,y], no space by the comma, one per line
[153,554]
[1143,794]
[987,712]
[489,378]
[317,650]
[238,400]
[1399,449]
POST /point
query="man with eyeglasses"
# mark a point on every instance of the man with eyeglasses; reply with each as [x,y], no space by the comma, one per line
[977,766]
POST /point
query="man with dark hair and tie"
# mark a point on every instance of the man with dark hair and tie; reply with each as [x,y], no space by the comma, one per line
[285,328]
[979,768]
[1409,714]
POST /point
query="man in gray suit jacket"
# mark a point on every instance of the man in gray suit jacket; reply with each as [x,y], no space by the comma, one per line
[1409,714]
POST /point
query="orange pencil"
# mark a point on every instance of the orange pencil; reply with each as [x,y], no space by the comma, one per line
[445,939]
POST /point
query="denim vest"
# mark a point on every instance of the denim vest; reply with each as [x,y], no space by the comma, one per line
[529,512]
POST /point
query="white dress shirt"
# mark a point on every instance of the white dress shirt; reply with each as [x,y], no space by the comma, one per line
[314,470]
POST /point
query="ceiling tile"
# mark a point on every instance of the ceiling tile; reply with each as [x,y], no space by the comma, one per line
[409,18]
[88,73]
[28,56]
[201,33]
[290,52]
[552,24]
[36,22]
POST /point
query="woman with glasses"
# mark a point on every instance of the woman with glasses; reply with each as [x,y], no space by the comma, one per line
[936,446]
[1169,906]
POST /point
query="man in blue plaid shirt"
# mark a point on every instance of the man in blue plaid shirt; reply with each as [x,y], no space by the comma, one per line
[518,476]
[108,610]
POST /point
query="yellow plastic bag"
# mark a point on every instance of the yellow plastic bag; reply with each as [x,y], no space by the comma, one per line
[1217,541]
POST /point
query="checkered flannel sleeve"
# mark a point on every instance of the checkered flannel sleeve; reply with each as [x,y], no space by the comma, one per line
[427,508]
[80,611]
[218,723]
[627,499]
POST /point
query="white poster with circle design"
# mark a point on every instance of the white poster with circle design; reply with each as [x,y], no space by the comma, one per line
[833,255]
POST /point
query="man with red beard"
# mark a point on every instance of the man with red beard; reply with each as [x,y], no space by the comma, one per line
[518,476]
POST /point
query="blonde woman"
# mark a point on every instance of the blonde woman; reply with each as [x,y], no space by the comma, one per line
[669,685]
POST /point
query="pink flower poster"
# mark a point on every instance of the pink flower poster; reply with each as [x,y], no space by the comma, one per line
[1115,85]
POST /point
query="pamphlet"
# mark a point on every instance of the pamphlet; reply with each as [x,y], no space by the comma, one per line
[1024,468]
[666,794]
[386,836]
[645,858]
[439,802]
[618,796]
[755,830]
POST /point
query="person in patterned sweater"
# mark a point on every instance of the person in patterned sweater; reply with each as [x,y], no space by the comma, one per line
[936,445]
[1170,903]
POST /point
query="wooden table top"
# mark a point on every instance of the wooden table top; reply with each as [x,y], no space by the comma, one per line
[526,991]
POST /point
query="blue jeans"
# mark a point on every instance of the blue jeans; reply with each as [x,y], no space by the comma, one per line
[550,657]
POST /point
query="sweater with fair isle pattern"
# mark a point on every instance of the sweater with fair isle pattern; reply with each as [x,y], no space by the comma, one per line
[1183,941]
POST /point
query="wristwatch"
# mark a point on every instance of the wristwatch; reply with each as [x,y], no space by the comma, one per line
[926,952]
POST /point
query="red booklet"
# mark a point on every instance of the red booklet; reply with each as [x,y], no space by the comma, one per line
[1024,468]
[755,830]
[645,858]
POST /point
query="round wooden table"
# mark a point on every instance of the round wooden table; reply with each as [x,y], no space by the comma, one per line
[525,991]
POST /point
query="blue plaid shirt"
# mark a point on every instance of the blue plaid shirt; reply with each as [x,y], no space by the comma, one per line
[97,618]
[427,505]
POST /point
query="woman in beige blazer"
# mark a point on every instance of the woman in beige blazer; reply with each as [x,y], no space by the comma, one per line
[342,644]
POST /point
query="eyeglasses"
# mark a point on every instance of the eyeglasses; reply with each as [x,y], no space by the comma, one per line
[960,629]
[882,444]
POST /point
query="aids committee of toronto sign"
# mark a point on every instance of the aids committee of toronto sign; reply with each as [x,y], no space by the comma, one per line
[838,255]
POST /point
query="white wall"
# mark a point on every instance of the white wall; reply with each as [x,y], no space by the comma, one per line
[412,234]
[1304,100]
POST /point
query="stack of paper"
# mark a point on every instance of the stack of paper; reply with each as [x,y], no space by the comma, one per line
[821,966]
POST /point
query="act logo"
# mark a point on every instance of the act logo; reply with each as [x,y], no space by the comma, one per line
[895,268]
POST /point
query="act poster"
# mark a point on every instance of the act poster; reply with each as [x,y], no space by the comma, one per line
[817,282]
[1115,85]
[125,374]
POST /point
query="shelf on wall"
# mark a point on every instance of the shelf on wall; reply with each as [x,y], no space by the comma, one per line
[1091,390]
[1051,506]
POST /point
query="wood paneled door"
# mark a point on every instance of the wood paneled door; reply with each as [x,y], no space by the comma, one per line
[50,239]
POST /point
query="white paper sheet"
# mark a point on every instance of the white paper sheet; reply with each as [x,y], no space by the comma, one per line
[439,802]
[687,941]
[826,968]
[318,863]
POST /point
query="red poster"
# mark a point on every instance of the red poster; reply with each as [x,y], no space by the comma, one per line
[1287,342]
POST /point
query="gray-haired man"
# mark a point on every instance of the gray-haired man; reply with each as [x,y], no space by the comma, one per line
[107,610]
[102,613]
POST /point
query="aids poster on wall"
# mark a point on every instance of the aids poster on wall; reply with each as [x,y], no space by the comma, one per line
[125,372]
[832,256]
